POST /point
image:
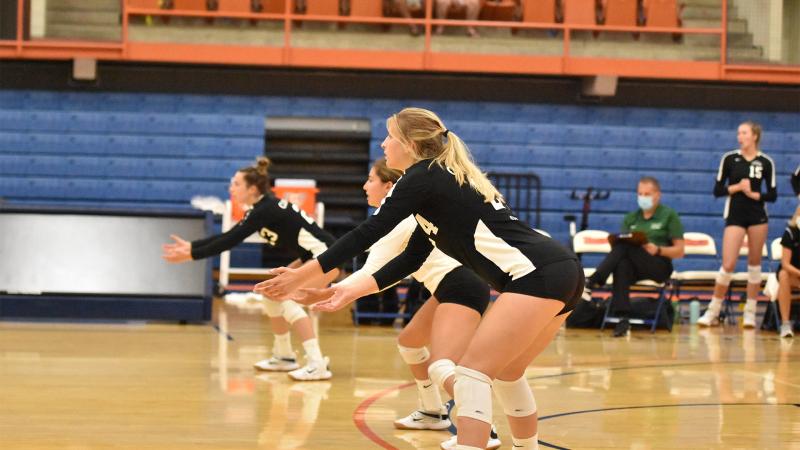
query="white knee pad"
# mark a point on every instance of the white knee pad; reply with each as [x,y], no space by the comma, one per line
[754,274]
[723,277]
[515,397]
[273,308]
[413,356]
[440,370]
[293,312]
[473,394]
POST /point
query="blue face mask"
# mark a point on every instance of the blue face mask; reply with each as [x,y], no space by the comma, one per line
[645,202]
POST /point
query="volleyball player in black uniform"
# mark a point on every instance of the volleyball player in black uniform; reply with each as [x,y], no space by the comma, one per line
[461,213]
[742,174]
[282,225]
[796,181]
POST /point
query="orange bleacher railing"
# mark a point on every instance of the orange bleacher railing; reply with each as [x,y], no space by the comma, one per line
[425,59]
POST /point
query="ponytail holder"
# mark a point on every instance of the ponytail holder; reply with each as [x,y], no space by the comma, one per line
[444,133]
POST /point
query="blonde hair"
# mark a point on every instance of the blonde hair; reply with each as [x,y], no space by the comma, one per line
[793,220]
[257,175]
[386,173]
[424,133]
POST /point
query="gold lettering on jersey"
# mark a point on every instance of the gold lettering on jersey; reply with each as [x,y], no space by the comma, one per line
[268,235]
[427,227]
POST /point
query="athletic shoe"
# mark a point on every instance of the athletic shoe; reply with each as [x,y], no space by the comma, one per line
[708,319]
[493,443]
[421,420]
[274,364]
[786,330]
[587,294]
[312,371]
[749,317]
[623,328]
[451,406]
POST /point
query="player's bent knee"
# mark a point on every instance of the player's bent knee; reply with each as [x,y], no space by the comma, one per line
[515,397]
[473,394]
[293,312]
[440,370]
[414,355]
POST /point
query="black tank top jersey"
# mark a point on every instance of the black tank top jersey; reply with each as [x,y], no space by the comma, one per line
[732,169]
[796,181]
[485,237]
[280,223]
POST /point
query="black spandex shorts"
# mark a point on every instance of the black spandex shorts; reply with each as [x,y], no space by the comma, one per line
[462,287]
[561,280]
[746,219]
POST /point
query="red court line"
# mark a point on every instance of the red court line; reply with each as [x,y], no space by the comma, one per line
[360,419]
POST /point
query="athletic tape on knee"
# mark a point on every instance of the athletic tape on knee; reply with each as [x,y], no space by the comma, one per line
[273,308]
[414,355]
[723,277]
[293,312]
[440,370]
[754,274]
[473,394]
[515,397]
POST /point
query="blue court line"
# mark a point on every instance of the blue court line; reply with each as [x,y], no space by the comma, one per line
[228,336]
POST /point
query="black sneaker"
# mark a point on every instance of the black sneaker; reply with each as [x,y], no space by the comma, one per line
[623,328]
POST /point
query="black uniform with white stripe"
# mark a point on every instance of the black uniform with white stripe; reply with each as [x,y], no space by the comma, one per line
[740,210]
[280,223]
[485,237]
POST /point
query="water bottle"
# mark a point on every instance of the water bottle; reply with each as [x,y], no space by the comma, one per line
[694,311]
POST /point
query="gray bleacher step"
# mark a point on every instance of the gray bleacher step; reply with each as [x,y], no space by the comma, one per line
[88,5]
[66,16]
[734,39]
[734,25]
[85,31]
[702,12]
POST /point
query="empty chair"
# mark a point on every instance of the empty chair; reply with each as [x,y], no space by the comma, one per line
[539,11]
[662,13]
[322,7]
[499,10]
[580,12]
[186,5]
[240,6]
[620,12]
[366,8]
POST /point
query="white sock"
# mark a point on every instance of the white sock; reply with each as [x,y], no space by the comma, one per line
[429,396]
[282,347]
[750,305]
[313,353]
[715,305]
[531,443]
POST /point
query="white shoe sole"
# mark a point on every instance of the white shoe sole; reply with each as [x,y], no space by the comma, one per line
[434,427]
[277,369]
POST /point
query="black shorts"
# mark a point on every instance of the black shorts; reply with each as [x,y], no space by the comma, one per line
[462,287]
[561,280]
[746,218]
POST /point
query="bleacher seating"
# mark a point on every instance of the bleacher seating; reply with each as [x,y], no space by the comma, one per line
[161,149]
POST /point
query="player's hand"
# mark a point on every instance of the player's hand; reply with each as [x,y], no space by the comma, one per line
[342,296]
[178,251]
[650,248]
[310,296]
[287,281]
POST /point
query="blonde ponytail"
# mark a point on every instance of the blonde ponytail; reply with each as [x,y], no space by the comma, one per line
[423,132]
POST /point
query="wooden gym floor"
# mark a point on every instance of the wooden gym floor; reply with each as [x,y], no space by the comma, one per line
[72,386]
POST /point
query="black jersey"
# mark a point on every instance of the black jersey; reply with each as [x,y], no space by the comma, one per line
[796,181]
[791,241]
[485,237]
[732,169]
[280,223]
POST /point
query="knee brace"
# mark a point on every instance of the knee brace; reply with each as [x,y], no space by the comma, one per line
[473,394]
[272,308]
[440,370]
[413,356]
[754,274]
[515,397]
[723,277]
[293,312]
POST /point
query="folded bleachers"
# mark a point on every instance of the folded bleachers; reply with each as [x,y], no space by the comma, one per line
[161,149]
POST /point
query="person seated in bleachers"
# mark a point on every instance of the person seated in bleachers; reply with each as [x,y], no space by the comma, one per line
[630,260]
[796,182]
[789,271]
[472,7]
[404,8]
